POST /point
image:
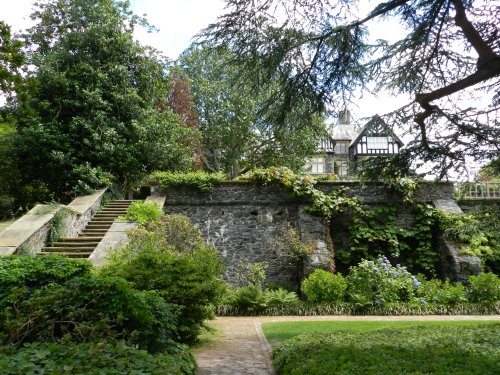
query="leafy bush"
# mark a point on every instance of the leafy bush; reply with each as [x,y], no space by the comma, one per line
[475,234]
[89,308]
[182,269]
[143,212]
[379,282]
[31,273]
[105,357]
[324,287]
[281,297]
[249,298]
[202,181]
[416,350]
[484,288]
[441,293]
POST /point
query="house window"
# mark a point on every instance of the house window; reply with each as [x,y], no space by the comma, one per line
[377,143]
[340,149]
[317,165]
[341,167]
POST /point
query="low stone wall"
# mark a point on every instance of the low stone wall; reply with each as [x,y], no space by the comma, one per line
[29,233]
[243,219]
[468,205]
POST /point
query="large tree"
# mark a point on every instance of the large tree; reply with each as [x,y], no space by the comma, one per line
[319,52]
[12,60]
[93,109]
[238,130]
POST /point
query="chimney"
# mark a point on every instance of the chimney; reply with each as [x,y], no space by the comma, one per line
[344,117]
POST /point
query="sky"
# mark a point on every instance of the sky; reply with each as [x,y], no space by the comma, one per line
[179,20]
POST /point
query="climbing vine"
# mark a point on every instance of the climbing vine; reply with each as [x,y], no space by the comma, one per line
[374,232]
[322,204]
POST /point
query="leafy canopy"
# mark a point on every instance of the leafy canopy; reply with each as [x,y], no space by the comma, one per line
[93,107]
[317,53]
[238,130]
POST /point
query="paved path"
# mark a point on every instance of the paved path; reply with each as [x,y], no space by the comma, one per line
[241,349]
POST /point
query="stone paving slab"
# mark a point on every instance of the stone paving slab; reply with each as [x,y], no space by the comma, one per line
[241,348]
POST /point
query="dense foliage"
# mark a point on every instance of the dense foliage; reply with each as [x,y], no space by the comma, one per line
[236,135]
[371,287]
[374,232]
[171,258]
[105,357]
[202,181]
[475,233]
[92,108]
[324,287]
[471,350]
[143,212]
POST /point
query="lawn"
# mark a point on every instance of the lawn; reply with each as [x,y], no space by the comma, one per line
[461,347]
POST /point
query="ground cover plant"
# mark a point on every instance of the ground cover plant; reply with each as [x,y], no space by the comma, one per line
[464,349]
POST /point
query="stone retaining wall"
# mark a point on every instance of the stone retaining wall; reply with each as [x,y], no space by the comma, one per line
[243,219]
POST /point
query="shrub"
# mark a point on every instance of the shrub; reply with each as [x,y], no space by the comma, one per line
[442,293]
[281,297]
[89,308]
[105,357]
[202,181]
[32,273]
[183,269]
[324,287]
[143,212]
[378,282]
[249,299]
[484,288]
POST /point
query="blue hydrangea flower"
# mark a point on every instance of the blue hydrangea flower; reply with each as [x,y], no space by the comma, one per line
[423,302]
[377,302]
[416,283]
[398,265]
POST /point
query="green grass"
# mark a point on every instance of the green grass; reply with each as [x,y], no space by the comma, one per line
[387,348]
[278,332]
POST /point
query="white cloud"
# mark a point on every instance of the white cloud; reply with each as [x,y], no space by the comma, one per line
[178,22]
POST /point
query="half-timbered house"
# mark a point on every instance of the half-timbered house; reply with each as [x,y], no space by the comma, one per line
[349,143]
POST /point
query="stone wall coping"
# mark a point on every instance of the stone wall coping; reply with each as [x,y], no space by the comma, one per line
[83,203]
[23,228]
[34,220]
[159,200]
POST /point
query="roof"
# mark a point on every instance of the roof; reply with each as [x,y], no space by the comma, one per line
[344,132]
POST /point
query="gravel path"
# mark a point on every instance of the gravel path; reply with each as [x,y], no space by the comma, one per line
[241,348]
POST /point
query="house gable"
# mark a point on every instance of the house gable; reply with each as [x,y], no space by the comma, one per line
[376,138]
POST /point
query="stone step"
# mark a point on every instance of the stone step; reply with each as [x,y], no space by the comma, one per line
[97,225]
[111,212]
[104,218]
[76,244]
[69,254]
[68,240]
[59,249]
[93,233]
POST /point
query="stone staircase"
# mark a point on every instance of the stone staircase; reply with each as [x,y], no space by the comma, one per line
[83,245]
